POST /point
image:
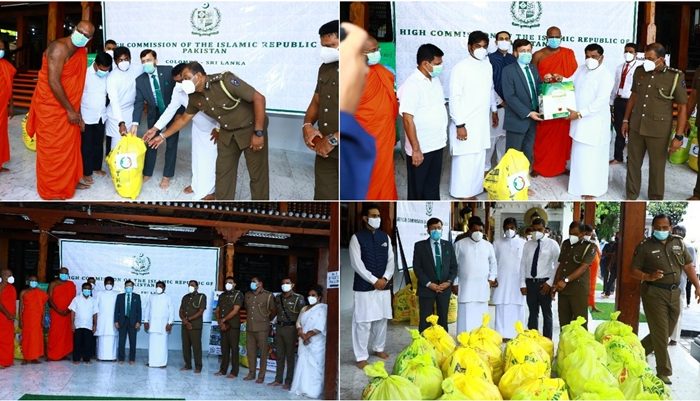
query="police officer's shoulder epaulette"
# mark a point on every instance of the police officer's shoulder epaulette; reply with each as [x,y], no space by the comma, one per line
[676,70]
[677,237]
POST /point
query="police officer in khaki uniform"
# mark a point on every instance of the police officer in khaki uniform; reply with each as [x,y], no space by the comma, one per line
[260,306]
[693,105]
[648,120]
[572,279]
[289,306]
[230,303]
[240,111]
[191,310]
[324,110]
[658,261]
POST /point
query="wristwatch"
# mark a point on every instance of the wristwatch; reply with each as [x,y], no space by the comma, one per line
[259,133]
[332,140]
[678,137]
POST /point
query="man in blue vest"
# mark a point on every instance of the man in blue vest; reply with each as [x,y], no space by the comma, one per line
[372,258]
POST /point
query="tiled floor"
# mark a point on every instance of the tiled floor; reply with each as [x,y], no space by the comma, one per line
[114,380]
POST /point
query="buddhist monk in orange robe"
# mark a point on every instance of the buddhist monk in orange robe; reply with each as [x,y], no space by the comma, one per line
[8,310]
[7,74]
[54,115]
[377,113]
[552,140]
[32,302]
[61,293]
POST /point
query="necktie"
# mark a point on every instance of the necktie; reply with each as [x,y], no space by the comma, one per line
[438,261]
[531,83]
[159,95]
[624,75]
[128,304]
[533,270]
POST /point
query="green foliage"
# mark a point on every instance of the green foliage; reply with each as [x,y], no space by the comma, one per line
[674,210]
[607,216]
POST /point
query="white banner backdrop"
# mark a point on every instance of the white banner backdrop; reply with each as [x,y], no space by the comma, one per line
[274,46]
[411,219]
[448,24]
[144,265]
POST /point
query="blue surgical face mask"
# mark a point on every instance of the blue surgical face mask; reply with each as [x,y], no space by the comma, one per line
[553,42]
[435,235]
[86,292]
[661,235]
[524,58]
[129,290]
[101,73]
[253,286]
[437,70]
[63,276]
[2,53]
[373,58]
[78,39]
[149,67]
[33,284]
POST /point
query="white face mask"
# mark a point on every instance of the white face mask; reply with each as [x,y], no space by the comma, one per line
[312,300]
[124,65]
[546,235]
[587,237]
[481,53]
[503,45]
[510,233]
[573,239]
[538,235]
[108,287]
[629,57]
[374,222]
[529,237]
[329,55]
[649,65]
[228,286]
[190,289]
[477,236]
[11,280]
[110,52]
[592,63]
[286,287]
[188,86]
[159,290]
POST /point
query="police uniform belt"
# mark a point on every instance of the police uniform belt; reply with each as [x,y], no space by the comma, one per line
[285,324]
[669,287]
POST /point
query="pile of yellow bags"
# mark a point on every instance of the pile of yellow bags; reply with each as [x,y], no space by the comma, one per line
[466,360]
[462,386]
[422,372]
[436,335]
[402,305]
[382,386]
[419,346]
[525,362]
[126,166]
[542,389]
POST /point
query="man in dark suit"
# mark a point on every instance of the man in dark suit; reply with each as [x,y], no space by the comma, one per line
[154,88]
[435,266]
[127,319]
[520,84]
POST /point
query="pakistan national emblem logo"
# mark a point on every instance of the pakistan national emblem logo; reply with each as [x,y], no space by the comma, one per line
[141,265]
[428,208]
[526,14]
[205,20]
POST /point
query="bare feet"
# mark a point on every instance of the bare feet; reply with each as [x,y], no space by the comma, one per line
[101,173]
[231,376]
[249,377]
[694,198]
[286,387]
[382,355]
[146,178]
[274,384]
[260,380]
[88,179]
[82,186]
[165,183]
[361,364]
[199,370]
[613,162]
[219,373]
[209,197]
[4,169]
[188,189]
[184,368]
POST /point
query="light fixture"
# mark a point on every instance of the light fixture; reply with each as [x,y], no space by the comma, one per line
[59,232]
[265,234]
[261,245]
[180,229]
[69,221]
[146,237]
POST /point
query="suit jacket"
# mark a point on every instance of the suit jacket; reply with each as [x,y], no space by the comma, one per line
[120,311]
[517,97]
[424,266]
[144,94]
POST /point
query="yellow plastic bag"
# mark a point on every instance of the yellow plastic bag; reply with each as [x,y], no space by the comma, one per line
[581,367]
[486,332]
[414,318]
[520,375]
[571,336]
[542,389]
[126,166]
[490,354]
[509,180]
[449,390]
[384,387]
[402,305]
[587,350]
[452,309]
[693,154]
[419,346]
[443,343]
[642,384]
[533,334]
[422,372]
[524,349]
[475,388]
[619,353]
[466,360]
[29,142]
[612,326]
[599,391]
[18,343]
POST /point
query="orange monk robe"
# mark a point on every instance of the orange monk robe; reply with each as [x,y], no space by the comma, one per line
[8,299]
[552,140]
[377,113]
[60,342]
[595,265]
[33,305]
[59,165]
[7,74]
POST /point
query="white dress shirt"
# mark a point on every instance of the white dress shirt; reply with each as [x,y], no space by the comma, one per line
[592,88]
[159,313]
[374,305]
[476,263]
[84,309]
[546,262]
[121,89]
[359,266]
[509,253]
[93,104]
[626,91]
[424,99]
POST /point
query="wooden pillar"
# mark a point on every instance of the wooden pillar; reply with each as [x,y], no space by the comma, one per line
[5,253]
[21,21]
[45,222]
[589,213]
[231,236]
[283,207]
[358,14]
[330,385]
[633,218]
[577,211]
[54,27]
[684,27]
[387,223]
[87,7]
[649,27]
[219,243]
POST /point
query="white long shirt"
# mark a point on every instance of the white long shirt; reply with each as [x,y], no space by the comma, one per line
[178,99]
[626,90]
[546,262]
[105,301]
[121,89]
[476,263]
[471,100]
[424,99]
[509,252]
[371,305]
[592,95]
[159,313]
[93,103]
[84,309]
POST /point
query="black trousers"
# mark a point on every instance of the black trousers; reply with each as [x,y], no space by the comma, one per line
[696,191]
[82,345]
[124,330]
[91,147]
[535,302]
[609,280]
[229,350]
[424,180]
[688,289]
[619,106]
[170,157]
[426,307]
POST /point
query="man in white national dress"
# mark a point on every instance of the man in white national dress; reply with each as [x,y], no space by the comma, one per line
[506,296]
[106,333]
[158,322]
